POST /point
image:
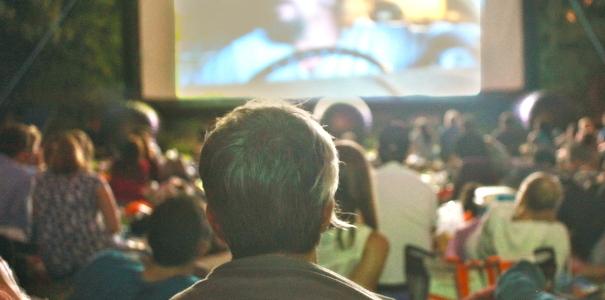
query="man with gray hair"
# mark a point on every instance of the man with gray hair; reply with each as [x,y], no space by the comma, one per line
[270,173]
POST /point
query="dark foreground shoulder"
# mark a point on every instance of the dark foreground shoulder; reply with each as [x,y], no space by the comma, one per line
[274,277]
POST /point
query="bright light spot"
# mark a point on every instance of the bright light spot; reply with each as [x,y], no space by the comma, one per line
[525,107]
[570,16]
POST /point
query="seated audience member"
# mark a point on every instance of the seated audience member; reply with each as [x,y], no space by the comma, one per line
[357,253]
[270,173]
[88,148]
[421,140]
[349,119]
[177,235]
[543,160]
[130,171]
[514,230]
[477,165]
[541,137]
[510,133]
[19,156]
[406,208]
[587,132]
[583,203]
[19,147]
[452,128]
[472,213]
[67,199]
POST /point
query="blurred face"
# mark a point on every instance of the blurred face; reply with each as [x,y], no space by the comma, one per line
[586,126]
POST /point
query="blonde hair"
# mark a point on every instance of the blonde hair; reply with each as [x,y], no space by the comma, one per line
[63,154]
[539,192]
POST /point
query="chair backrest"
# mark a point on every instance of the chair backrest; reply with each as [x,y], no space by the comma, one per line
[488,271]
[545,259]
[417,275]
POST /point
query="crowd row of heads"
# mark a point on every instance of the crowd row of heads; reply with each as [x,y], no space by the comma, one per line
[63,152]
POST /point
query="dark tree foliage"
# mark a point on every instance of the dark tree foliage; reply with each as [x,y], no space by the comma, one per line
[568,62]
[81,64]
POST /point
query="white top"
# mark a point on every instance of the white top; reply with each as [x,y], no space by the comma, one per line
[342,261]
[407,214]
[515,240]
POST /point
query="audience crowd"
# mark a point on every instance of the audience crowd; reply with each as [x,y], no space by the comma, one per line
[282,208]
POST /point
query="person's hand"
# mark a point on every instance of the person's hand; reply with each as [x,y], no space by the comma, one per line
[9,289]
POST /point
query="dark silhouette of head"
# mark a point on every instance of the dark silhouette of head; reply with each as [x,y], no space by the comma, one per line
[394,143]
[177,231]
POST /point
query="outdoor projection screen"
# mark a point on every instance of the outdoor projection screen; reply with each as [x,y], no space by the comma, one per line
[204,49]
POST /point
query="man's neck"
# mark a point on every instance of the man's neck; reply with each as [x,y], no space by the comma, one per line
[154,272]
[311,256]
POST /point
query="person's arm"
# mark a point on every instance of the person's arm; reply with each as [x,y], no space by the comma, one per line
[9,289]
[108,207]
[368,270]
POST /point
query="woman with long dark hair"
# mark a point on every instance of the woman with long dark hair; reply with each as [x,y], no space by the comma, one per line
[358,253]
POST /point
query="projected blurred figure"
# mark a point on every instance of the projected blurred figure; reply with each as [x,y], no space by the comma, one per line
[293,26]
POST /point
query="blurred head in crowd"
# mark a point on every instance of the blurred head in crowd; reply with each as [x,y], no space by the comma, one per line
[394,143]
[539,192]
[178,232]
[471,142]
[587,132]
[344,121]
[88,148]
[452,118]
[545,157]
[467,198]
[63,154]
[128,162]
[21,142]
[506,121]
[578,156]
[270,173]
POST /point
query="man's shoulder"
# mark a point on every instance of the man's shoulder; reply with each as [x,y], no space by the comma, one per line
[286,278]
[17,171]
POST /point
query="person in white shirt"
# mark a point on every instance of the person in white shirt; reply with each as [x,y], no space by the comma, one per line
[406,208]
[514,231]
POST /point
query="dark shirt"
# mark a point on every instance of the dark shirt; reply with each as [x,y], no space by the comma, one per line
[116,275]
[511,139]
[274,277]
[582,211]
[523,281]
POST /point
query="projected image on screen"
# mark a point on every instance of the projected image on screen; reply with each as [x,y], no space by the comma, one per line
[360,47]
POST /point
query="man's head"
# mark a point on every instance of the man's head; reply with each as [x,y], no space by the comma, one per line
[177,232]
[540,192]
[452,118]
[506,121]
[394,143]
[270,173]
[578,156]
[20,142]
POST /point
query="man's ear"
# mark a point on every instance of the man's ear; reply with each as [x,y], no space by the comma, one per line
[327,214]
[23,157]
[216,227]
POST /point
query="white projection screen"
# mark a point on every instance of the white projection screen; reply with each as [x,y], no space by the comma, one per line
[205,49]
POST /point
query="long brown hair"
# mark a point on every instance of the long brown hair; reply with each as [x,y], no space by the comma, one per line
[63,154]
[355,192]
